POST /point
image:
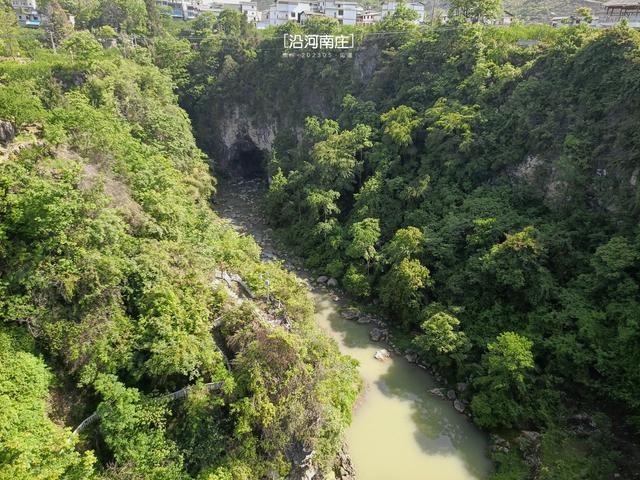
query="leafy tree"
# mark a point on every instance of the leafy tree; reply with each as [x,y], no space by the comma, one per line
[58,26]
[441,340]
[406,243]
[336,159]
[83,47]
[322,204]
[401,288]
[586,14]
[476,10]
[128,16]
[135,431]
[398,125]
[364,237]
[8,31]
[356,283]
[516,264]
[403,18]
[32,445]
[504,384]
[355,111]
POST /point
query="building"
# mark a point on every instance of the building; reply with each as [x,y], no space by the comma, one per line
[283,11]
[27,13]
[246,7]
[304,16]
[182,10]
[616,10]
[368,17]
[389,7]
[343,11]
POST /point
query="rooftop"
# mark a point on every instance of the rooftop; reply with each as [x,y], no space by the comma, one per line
[622,4]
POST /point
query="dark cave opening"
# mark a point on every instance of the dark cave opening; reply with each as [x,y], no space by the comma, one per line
[248,161]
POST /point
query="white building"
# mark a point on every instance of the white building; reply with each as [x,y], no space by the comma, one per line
[368,17]
[343,11]
[247,7]
[283,11]
[184,10]
[27,13]
[389,7]
[250,10]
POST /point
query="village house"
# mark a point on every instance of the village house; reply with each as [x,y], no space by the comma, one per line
[616,10]
[27,13]
[178,10]
[305,16]
[283,11]
[246,7]
[368,17]
[343,11]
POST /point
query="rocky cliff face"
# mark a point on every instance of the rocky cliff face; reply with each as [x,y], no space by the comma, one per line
[229,130]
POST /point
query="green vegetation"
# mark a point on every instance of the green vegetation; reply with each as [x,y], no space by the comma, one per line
[484,193]
[108,294]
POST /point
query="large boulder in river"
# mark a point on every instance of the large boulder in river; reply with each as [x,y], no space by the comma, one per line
[350,313]
[437,392]
[7,132]
[459,406]
[322,279]
[382,355]
[332,282]
[378,334]
[451,394]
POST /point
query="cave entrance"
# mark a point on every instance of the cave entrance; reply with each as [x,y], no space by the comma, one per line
[248,161]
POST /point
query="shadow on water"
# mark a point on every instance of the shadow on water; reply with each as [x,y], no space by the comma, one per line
[353,335]
[439,429]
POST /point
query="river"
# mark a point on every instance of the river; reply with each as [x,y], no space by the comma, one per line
[399,430]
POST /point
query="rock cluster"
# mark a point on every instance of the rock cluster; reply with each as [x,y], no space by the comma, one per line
[7,132]
[437,392]
[379,334]
[499,444]
[350,314]
[343,467]
[582,425]
[411,357]
[529,444]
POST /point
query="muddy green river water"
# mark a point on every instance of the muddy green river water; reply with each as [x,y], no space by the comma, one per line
[399,430]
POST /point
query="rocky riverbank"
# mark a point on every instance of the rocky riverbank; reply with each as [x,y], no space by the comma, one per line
[238,202]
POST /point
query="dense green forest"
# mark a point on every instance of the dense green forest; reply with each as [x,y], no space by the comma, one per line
[480,190]
[483,191]
[109,298]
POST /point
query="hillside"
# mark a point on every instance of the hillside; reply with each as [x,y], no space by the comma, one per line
[485,195]
[125,300]
[543,10]
[472,189]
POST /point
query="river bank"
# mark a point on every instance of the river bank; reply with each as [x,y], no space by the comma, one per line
[404,426]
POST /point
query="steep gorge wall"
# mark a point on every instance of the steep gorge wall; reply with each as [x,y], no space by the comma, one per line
[230,125]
